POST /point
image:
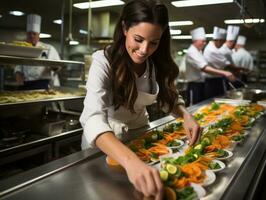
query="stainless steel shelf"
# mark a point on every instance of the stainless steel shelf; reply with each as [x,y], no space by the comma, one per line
[12,60]
[89,177]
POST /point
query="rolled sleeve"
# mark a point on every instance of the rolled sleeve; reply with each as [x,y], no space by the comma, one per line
[94,117]
[196,59]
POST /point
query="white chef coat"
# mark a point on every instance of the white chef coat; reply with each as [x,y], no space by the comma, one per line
[99,116]
[227,52]
[32,73]
[214,58]
[195,62]
[243,58]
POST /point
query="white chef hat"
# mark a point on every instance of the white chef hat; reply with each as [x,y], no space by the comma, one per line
[34,23]
[198,34]
[219,33]
[241,40]
[232,32]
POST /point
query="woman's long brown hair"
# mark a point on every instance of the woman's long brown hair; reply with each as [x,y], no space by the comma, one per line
[123,79]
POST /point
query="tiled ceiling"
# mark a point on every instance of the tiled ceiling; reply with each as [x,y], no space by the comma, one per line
[206,16]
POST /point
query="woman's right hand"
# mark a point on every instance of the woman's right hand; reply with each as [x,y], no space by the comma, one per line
[145,179]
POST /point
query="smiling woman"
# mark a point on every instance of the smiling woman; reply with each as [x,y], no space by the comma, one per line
[135,71]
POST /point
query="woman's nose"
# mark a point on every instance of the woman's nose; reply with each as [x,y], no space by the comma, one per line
[144,48]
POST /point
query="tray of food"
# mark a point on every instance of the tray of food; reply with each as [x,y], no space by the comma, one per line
[34,96]
[20,49]
[189,171]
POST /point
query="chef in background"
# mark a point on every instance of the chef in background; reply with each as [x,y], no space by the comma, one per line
[228,46]
[196,64]
[242,57]
[37,77]
[215,84]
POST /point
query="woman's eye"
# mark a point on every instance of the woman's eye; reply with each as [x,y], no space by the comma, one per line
[138,40]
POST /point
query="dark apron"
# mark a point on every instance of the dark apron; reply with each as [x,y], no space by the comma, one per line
[214,87]
[195,92]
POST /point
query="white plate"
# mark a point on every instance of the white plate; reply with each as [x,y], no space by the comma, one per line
[222,165]
[24,51]
[229,155]
[162,156]
[201,192]
[210,178]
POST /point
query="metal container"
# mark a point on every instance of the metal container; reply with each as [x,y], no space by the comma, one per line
[247,94]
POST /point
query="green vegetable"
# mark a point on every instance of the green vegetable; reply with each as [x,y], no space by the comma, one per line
[187,193]
[173,143]
[199,116]
[133,148]
[164,175]
[222,153]
[215,106]
[214,165]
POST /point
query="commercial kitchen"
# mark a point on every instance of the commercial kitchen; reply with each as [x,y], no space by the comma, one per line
[40,128]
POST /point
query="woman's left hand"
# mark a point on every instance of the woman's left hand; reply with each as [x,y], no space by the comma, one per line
[192,128]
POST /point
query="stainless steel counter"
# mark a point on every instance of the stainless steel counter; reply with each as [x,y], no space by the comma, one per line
[85,175]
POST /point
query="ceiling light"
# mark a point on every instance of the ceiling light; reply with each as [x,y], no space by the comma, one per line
[1,16]
[180,53]
[81,31]
[98,4]
[58,21]
[73,42]
[187,3]
[180,23]
[45,35]
[16,13]
[182,37]
[175,32]
[187,37]
[242,21]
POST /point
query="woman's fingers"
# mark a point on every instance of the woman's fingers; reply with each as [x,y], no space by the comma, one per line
[196,131]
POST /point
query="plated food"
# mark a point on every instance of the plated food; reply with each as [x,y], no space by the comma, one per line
[216,166]
[186,172]
[34,95]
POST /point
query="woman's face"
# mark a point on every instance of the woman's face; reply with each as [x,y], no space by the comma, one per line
[142,40]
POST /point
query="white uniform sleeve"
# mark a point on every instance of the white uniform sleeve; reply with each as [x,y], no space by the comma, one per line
[197,60]
[94,116]
[53,54]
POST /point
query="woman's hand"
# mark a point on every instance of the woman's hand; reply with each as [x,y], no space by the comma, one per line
[145,179]
[192,128]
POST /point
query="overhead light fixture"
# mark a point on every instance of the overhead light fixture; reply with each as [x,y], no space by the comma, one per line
[16,13]
[242,21]
[175,32]
[180,53]
[187,3]
[58,21]
[81,31]
[182,37]
[180,23]
[45,35]
[187,37]
[73,42]
[98,4]
[1,16]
